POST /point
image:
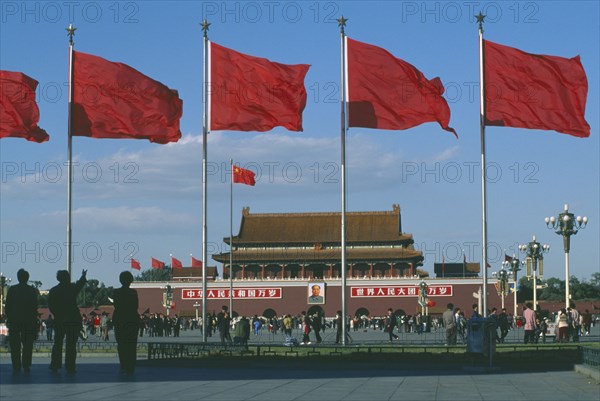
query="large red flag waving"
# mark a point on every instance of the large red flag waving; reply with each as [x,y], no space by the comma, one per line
[386,92]
[113,100]
[254,94]
[135,264]
[19,113]
[157,264]
[534,91]
[243,176]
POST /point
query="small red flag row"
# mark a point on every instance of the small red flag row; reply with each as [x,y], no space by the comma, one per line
[157,264]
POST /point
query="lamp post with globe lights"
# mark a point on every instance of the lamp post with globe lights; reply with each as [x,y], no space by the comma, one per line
[534,261]
[502,283]
[566,225]
[512,264]
[423,297]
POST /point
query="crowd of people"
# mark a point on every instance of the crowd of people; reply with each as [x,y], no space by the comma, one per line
[66,324]
[569,324]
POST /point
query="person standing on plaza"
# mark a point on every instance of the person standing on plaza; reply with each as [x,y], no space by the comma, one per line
[126,319]
[224,322]
[530,325]
[475,311]
[21,315]
[49,327]
[62,301]
[586,323]
[503,324]
[563,326]
[450,324]
[287,326]
[104,326]
[575,322]
[390,324]
[306,324]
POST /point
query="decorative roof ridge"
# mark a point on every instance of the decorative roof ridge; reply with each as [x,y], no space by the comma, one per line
[320,214]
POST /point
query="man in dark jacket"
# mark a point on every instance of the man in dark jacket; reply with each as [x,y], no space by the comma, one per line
[126,319]
[21,313]
[62,301]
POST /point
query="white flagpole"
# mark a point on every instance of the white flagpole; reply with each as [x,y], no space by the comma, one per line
[342,24]
[71,33]
[480,19]
[231,241]
[205,128]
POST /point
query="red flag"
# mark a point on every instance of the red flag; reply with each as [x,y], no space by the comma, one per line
[113,100]
[534,91]
[176,263]
[254,94]
[135,264]
[19,113]
[157,264]
[196,262]
[386,92]
[243,176]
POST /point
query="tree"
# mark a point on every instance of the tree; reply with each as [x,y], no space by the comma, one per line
[164,274]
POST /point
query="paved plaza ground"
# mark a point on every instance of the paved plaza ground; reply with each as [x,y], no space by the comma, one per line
[249,378]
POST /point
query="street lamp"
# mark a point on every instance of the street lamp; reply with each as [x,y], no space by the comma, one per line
[168,297]
[566,225]
[423,297]
[534,252]
[513,264]
[196,305]
[502,283]
[3,284]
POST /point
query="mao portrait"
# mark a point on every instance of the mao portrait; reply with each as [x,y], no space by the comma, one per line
[316,293]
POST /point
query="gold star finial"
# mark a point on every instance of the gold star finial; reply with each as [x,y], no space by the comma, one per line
[480,20]
[342,23]
[71,32]
[205,24]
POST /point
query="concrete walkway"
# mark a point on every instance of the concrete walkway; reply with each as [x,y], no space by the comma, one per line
[97,378]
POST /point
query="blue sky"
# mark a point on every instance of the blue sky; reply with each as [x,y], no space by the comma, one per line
[134,196]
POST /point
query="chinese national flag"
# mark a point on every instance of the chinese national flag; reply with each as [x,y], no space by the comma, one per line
[196,262]
[385,92]
[176,263]
[19,113]
[254,94]
[157,264]
[113,100]
[135,264]
[243,176]
[534,91]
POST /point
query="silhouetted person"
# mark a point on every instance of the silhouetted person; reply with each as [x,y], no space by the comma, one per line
[62,301]
[21,313]
[127,321]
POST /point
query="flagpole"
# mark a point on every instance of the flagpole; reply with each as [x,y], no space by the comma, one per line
[231,240]
[342,23]
[205,128]
[480,18]
[70,32]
